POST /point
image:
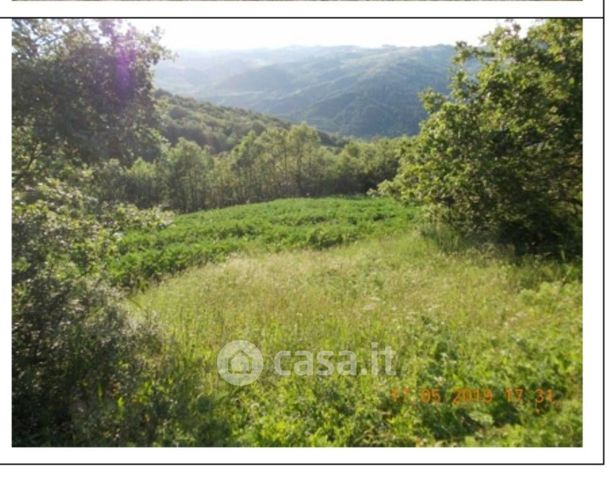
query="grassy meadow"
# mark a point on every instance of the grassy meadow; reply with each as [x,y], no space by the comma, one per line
[487,347]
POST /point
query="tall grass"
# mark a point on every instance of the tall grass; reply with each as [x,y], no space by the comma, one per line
[455,318]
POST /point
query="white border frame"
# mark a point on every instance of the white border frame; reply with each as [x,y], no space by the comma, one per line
[591,452]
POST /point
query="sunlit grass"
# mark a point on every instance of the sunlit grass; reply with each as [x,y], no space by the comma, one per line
[472,318]
[212,235]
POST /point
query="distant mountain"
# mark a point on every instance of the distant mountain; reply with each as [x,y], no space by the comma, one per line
[347,90]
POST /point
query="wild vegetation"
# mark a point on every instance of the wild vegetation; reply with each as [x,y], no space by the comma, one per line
[210,236]
[456,318]
[502,154]
[149,230]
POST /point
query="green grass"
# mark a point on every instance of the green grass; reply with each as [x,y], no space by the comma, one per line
[455,316]
[210,236]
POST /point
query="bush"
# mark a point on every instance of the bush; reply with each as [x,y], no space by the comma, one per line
[502,155]
[76,354]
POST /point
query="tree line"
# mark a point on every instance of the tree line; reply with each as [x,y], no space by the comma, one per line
[278,163]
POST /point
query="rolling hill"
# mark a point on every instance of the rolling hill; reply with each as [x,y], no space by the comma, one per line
[219,128]
[354,91]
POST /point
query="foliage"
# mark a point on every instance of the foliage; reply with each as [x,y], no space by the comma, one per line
[362,166]
[210,236]
[75,351]
[278,163]
[184,176]
[218,128]
[82,89]
[502,155]
[81,92]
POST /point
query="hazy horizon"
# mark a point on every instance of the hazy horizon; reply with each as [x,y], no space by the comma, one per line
[301,47]
[220,35]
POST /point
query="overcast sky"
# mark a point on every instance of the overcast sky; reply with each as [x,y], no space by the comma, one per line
[247,34]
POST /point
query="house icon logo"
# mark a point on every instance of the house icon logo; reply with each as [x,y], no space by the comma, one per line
[239,362]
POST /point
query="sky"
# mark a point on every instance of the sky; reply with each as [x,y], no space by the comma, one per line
[237,34]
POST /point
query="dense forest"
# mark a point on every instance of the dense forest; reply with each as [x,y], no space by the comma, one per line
[219,128]
[118,185]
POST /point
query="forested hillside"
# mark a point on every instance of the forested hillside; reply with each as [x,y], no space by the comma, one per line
[217,127]
[347,90]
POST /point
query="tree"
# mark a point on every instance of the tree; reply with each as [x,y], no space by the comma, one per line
[362,166]
[83,89]
[143,184]
[81,94]
[185,173]
[274,164]
[245,156]
[502,154]
[305,155]
[75,352]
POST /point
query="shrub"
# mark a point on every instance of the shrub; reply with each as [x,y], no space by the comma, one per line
[502,155]
[75,351]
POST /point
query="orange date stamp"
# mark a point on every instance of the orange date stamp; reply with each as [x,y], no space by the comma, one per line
[474,395]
